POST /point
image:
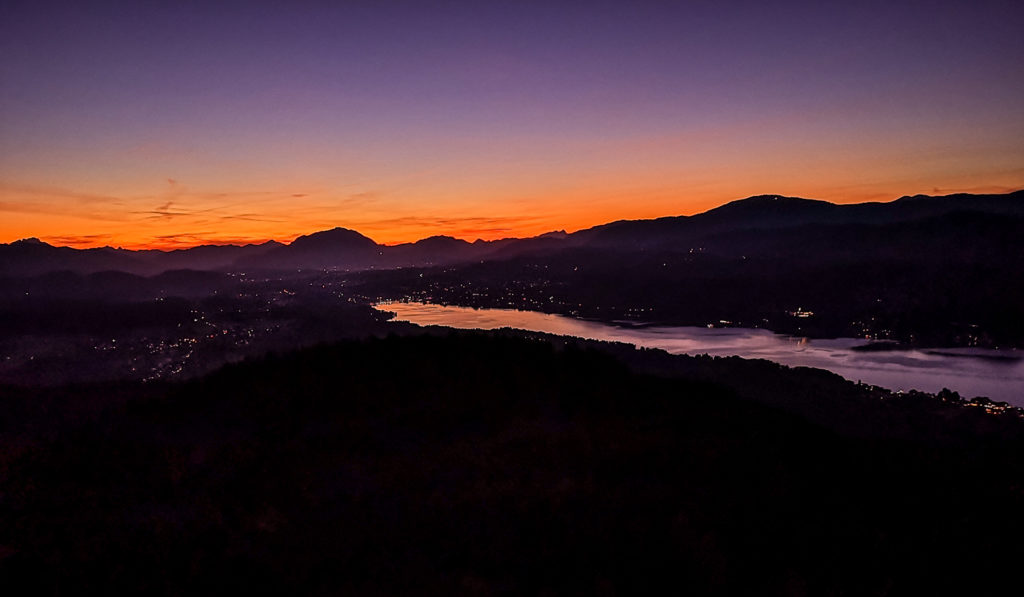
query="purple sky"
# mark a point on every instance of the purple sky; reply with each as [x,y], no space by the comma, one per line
[133,121]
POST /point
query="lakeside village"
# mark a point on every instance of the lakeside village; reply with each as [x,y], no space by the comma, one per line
[949,397]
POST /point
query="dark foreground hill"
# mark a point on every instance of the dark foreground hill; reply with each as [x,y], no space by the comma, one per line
[485,465]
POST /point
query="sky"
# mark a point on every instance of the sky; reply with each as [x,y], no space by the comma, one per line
[166,125]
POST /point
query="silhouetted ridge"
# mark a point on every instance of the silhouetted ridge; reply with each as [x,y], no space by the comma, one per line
[333,239]
[776,212]
[328,249]
[441,239]
[770,206]
[342,248]
[30,241]
[433,250]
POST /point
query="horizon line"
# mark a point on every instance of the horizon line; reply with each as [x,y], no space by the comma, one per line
[241,242]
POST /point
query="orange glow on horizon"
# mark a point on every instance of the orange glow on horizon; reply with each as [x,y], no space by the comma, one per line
[188,222]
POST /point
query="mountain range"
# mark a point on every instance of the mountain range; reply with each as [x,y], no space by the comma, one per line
[747,226]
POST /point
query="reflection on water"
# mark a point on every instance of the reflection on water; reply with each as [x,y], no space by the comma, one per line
[971,372]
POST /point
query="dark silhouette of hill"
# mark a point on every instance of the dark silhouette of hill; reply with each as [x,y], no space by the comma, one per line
[483,464]
[756,215]
[342,249]
[336,248]
[768,211]
[435,250]
[205,257]
[32,257]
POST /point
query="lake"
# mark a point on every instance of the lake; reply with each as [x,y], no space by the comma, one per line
[998,374]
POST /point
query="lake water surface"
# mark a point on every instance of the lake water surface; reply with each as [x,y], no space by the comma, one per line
[971,372]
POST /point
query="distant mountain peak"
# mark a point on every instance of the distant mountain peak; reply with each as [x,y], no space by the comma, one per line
[773,199]
[334,237]
[770,203]
[440,239]
[31,241]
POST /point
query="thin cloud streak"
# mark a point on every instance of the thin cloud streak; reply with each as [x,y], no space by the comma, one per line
[83,240]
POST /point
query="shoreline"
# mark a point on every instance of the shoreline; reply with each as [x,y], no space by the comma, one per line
[869,344]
